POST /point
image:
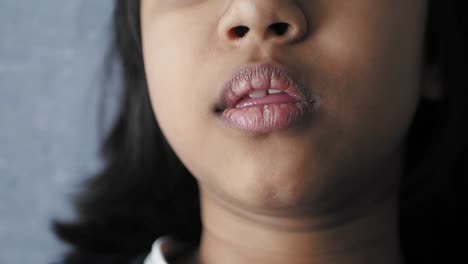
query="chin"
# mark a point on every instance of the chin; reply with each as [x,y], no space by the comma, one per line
[273,188]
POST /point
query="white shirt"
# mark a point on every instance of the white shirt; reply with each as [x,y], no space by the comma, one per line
[158,251]
[163,248]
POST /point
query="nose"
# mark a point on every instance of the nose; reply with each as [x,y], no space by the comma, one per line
[277,21]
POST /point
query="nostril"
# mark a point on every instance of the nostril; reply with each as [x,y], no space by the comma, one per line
[239,31]
[279,28]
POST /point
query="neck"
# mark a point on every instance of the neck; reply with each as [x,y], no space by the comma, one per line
[236,237]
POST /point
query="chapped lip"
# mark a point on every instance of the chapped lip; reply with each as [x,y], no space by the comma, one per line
[261,77]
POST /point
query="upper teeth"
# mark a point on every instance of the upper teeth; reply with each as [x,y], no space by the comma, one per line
[274,91]
[263,93]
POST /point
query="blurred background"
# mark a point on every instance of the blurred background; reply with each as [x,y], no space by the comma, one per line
[54,76]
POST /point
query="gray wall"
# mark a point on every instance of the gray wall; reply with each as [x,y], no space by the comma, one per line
[52,64]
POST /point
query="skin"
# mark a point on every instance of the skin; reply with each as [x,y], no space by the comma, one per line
[322,193]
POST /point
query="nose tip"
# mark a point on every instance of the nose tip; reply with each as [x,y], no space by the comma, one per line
[268,20]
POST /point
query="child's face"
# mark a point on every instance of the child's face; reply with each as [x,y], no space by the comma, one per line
[360,58]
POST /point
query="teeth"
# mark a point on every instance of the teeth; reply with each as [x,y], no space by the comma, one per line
[263,93]
[274,91]
[258,94]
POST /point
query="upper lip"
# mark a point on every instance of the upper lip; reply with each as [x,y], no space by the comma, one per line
[261,77]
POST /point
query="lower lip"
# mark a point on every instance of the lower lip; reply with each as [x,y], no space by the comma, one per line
[267,114]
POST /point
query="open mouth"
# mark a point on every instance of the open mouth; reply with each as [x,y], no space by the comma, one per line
[261,97]
[264,98]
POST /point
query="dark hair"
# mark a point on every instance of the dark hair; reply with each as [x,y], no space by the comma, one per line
[145,192]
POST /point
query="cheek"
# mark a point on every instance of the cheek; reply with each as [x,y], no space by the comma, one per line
[178,82]
[368,76]
[179,116]
[169,66]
